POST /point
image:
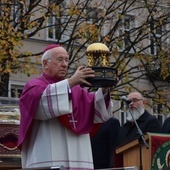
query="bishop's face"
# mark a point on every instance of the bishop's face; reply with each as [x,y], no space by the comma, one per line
[57,64]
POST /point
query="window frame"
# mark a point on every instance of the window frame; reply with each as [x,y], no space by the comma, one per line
[125,28]
[161,38]
[62,36]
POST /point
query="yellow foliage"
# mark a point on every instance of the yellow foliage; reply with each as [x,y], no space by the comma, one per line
[32,70]
[88,31]
[7,70]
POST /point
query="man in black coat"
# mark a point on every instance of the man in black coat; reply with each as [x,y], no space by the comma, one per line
[103,141]
[166,126]
[145,121]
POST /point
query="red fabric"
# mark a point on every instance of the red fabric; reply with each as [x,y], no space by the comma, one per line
[160,152]
[95,129]
[51,46]
[157,141]
[9,141]
[118,160]
[64,121]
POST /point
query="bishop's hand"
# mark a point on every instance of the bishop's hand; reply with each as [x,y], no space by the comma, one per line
[80,76]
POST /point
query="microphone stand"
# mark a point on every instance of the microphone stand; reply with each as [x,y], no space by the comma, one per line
[141,137]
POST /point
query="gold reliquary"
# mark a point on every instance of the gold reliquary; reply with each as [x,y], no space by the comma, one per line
[98,55]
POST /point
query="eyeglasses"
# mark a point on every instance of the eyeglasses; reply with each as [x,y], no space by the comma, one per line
[60,60]
[134,100]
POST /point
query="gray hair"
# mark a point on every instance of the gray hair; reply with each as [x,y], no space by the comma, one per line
[47,55]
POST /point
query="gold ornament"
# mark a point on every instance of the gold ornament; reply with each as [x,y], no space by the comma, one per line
[98,55]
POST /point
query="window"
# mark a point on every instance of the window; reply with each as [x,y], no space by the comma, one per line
[92,15]
[92,33]
[126,24]
[122,112]
[55,24]
[12,8]
[158,38]
[54,31]
[15,11]
[16,90]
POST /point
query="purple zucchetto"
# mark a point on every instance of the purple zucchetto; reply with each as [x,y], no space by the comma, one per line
[51,46]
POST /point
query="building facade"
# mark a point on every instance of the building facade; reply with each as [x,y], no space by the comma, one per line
[132,30]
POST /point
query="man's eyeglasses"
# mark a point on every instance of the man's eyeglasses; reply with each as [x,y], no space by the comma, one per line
[134,100]
[60,60]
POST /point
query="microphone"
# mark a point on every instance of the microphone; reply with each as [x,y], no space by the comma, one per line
[124,98]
